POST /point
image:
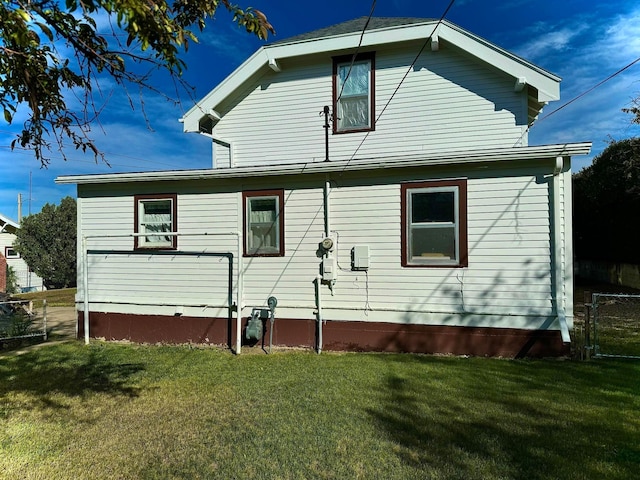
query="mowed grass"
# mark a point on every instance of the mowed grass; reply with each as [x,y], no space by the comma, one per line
[63,297]
[109,410]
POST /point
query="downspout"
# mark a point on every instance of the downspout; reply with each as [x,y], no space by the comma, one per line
[222,143]
[226,145]
[85,287]
[559,264]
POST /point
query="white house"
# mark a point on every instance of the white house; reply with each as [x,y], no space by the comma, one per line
[26,279]
[423,221]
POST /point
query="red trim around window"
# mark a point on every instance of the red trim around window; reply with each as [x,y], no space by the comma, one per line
[462,222]
[174,219]
[371,56]
[264,193]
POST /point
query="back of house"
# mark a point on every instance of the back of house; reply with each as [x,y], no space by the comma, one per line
[370,191]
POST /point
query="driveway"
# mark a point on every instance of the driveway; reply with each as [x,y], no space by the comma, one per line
[61,322]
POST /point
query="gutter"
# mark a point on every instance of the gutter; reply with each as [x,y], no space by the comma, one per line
[339,166]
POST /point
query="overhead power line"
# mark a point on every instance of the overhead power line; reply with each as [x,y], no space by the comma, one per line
[415,60]
[577,97]
[355,55]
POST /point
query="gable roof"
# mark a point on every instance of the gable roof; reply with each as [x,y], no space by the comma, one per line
[542,86]
[354,26]
[7,225]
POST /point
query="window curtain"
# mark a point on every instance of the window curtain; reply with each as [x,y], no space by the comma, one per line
[354,101]
[154,223]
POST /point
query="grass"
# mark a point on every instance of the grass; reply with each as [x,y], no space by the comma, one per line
[112,410]
[64,297]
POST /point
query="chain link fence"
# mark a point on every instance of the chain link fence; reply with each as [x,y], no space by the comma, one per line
[20,319]
[611,326]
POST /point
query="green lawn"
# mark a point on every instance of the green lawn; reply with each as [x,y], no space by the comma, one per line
[142,412]
[63,297]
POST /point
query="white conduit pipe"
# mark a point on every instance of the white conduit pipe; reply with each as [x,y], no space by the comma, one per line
[85,272]
[319,310]
[239,290]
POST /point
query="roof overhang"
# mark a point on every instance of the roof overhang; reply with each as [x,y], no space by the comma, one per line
[365,164]
[7,225]
[542,85]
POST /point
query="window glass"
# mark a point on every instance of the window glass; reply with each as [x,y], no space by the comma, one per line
[155,216]
[263,223]
[434,223]
[262,228]
[353,95]
[9,252]
[432,207]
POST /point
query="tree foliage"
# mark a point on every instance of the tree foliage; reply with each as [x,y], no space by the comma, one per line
[47,243]
[634,110]
[38,72]
[606,205]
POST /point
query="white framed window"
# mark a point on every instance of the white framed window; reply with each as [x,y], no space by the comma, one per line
[10,252]
[353,93]
[434,223]
[155,214]
[263,223]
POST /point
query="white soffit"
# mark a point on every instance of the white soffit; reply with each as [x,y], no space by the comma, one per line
[545,83]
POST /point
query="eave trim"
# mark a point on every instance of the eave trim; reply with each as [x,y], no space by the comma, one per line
[362,164]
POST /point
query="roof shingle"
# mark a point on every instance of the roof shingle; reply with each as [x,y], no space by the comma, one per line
[352,26]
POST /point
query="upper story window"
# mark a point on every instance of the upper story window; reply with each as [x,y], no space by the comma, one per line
[10,252]
[353,93]
[434,224]
[264,223]
[155,214]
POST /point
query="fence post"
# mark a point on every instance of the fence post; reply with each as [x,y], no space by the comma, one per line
[44,318]
[587,325]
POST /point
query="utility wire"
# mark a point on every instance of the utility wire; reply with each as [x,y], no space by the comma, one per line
[424,45]
[355,55]
[578,97]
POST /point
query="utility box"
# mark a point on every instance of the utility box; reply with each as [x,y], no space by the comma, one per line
[360,258]
[329,267]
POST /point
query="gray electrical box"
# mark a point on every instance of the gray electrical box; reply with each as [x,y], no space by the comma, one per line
[360,258]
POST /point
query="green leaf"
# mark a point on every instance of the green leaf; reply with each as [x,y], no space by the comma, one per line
[46,30]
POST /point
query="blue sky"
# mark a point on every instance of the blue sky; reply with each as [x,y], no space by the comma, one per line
[582,42]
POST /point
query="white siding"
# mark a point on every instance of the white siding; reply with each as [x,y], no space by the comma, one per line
[26,280]
[447,102]
[207,221]
[508,282]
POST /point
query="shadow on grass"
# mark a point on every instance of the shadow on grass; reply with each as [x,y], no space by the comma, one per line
[44,373]
[513,419]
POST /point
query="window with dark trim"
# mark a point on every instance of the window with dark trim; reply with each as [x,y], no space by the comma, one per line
[10,252]
[434,223]
[263,213]
[354,93]
[153,215]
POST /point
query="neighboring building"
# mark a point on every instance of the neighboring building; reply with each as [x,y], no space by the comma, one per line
[433,227]
[27,280]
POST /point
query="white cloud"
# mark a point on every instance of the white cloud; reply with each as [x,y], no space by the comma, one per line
[550,41]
